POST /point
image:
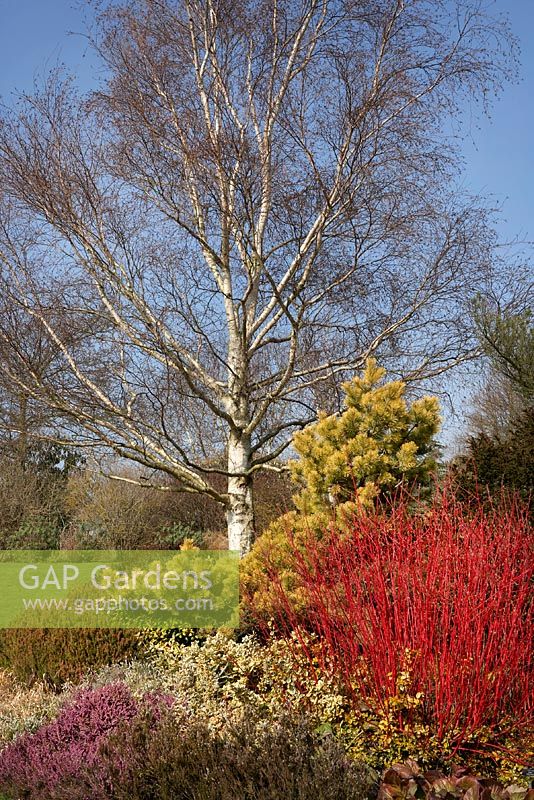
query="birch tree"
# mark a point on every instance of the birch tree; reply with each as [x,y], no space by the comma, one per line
[260,196]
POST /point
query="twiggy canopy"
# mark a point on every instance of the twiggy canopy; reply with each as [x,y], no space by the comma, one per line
[259,197]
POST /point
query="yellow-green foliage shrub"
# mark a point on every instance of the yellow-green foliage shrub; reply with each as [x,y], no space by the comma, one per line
[222,679]
[378,442]
[273,554]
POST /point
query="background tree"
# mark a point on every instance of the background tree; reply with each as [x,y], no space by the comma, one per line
[500,449]
[33,470]
[508,341]
[503,460]
[260,197]
[25,349]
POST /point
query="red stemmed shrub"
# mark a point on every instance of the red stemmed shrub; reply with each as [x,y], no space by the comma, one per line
[426,615]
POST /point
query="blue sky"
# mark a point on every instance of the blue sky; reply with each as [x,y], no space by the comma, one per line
[34,36]
[499,152]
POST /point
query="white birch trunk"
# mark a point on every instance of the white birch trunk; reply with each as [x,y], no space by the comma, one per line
[240,513]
